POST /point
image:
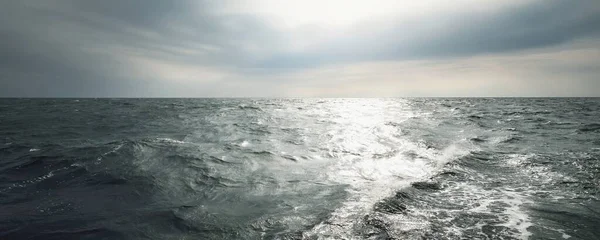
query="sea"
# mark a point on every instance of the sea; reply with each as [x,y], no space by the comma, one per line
[331,168]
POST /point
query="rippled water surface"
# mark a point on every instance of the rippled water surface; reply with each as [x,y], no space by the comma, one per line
[299,168]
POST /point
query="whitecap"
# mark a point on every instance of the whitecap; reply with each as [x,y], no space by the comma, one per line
[169,140]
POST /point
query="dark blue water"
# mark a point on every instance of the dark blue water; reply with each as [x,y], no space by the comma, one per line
[300,168]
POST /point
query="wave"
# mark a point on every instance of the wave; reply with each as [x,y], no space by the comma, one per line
[169,140]
[592,127]
[373,180]
[277,169]
[249,107]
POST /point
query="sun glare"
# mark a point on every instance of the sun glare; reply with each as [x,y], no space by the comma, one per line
[340,13]
[333,13]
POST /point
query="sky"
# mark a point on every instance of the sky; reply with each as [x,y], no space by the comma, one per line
[307,48]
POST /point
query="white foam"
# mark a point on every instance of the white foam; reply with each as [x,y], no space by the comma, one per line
[564,235]
[507,204]
[519,159]
[357,137]
[517,218]
[114,150]
[541,174]
[169,140]
[371,180]
[35,180]
[34,150]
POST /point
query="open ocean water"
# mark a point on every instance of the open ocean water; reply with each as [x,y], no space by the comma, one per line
[417,168]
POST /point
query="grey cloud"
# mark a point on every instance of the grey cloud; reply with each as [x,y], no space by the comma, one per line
[80,47]
[541,24]
[74,48]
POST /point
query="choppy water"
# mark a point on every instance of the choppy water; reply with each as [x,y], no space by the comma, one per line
[299,168]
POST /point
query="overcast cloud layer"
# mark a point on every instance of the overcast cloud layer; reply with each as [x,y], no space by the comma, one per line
[327,48]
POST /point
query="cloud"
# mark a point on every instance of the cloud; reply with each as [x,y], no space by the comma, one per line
[217,48]
[571,71]
[536,25]
[99,48]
